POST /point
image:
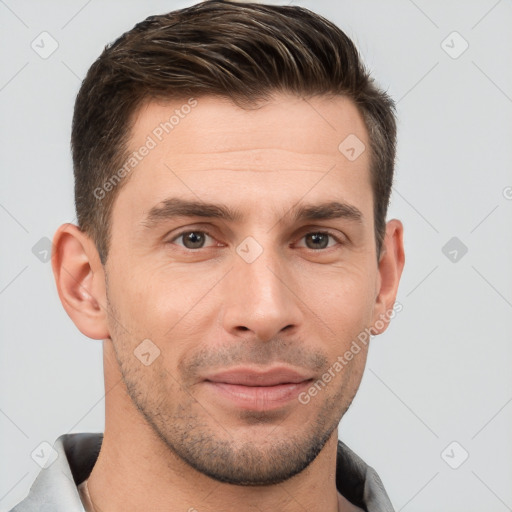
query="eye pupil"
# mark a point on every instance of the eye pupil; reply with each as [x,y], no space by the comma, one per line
[193,240]
[320,240]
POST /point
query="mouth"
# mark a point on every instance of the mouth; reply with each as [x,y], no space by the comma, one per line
[265,390]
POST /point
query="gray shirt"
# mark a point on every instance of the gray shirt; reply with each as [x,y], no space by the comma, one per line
[55,488]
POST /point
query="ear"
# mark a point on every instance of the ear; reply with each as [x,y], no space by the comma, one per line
[391,264]
[80,280]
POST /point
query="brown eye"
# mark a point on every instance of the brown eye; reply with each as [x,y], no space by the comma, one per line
[317,240]
[192,239]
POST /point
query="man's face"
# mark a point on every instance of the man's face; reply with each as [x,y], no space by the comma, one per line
[248,312]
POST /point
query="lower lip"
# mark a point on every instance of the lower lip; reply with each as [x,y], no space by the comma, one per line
[258,398]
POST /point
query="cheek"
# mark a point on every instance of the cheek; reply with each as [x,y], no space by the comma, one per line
[344,300]
[164,306]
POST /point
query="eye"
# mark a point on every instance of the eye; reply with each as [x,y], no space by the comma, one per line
[192,239]
[195,239]
[319,240]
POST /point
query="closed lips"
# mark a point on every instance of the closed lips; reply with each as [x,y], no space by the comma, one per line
[248,377]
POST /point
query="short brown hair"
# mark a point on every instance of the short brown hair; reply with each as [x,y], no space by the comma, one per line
[241,51]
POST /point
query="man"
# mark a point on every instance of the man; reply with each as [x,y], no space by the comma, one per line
[233,165]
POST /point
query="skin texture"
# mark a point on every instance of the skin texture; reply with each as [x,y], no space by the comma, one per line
[172,442]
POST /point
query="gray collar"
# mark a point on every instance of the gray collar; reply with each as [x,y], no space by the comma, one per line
[55,488]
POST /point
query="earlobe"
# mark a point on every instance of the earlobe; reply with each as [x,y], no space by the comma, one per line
[391,264]
[80,280]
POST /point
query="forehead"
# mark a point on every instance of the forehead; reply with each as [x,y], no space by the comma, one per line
[208,148]
[315,125]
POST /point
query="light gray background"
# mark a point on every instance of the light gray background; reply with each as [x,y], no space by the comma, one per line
[441,373]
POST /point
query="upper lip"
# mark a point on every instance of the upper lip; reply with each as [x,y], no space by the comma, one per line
[251,377]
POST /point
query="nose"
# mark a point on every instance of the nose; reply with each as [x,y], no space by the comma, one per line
[261,298]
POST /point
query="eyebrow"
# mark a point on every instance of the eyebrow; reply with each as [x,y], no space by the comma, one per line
[176,207]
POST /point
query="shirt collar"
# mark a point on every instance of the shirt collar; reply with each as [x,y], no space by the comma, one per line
[55,488]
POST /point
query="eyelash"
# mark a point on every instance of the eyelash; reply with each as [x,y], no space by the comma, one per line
[202,231]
